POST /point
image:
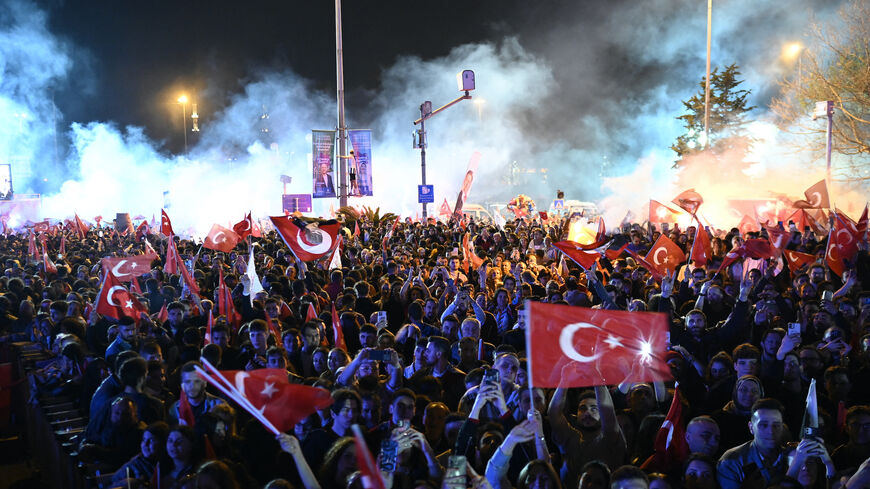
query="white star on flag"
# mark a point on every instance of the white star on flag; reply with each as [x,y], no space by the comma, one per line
[133,265]
[613,341]
[269,390]
[128,305]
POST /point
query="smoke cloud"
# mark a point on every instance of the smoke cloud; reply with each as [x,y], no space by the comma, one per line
[588,94]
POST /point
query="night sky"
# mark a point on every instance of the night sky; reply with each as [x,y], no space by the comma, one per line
[589,91]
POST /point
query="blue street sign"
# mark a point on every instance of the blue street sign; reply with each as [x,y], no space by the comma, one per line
[425,194]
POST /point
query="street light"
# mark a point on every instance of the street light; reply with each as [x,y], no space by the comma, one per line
[792,51]
[465,80]
[183,101]
[479,103]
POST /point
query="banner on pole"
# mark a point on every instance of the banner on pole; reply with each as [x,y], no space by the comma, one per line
[466,184]
[323,157]
[361,144]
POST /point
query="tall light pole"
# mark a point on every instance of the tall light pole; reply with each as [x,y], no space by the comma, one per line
[793,51]
[183,101]
[342,130]
[707,79]
[465,80]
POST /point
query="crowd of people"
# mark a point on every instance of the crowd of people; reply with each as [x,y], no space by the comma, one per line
[434,368]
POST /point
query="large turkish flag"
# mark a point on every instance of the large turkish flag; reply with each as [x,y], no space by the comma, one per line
[308,242]
[665,255]
[578,347]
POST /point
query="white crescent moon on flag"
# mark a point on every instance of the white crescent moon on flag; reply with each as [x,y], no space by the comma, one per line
[111,293]
[566,342]
[815,199]
[216,240]
[848,235]
[831,250]
[323,247]
[116,269]
[656,256]
[248,222]
[240,381]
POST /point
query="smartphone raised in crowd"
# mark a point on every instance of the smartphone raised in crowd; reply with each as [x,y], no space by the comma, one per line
[794,329]
[454,477]
[491,376]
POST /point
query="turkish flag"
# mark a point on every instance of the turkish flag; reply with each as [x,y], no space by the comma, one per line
[226,307]
[817,197]
[371,475]
[689,201]
[80,227]
[337,332]
[796,259]
[185,411]
[572,346]
[47,265]
[32,251]
[778,238]
[748,225]
[665,255]
[445,210]
[802,219]
[653,270]
[221,239]
[670,443]
[124,268]
[702,248]
[659,213]
[244,227]
[142,231]
[311,313]
[171,264]
[758,249]
[165,223]
[308,242]
[356,228]
[282,403]
[580,256]
[116,302]
[842,244]
[62,249]
[41,227]
[862,224]
[272,327]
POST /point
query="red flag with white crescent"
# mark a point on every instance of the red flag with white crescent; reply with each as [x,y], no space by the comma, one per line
[165,223]
[702,248]
[577,254]
[124,268]
[115,301]
[337,332]
[269,391]
[659,213]
[578,347]
[817,197]
[689,201]
[842,244]
[308,242]
[665,255]
[221,239]
[245,227]
[796,259]
[171,264]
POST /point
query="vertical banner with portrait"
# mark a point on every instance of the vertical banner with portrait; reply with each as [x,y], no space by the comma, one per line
[467,180]
[323,157]
[361,163]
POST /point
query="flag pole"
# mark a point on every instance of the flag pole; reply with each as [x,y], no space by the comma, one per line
[526,322]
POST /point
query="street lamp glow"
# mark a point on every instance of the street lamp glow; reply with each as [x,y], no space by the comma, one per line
[792,50]
[182,99]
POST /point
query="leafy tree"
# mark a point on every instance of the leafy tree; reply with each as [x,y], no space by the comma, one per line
[834,65]
[728,106]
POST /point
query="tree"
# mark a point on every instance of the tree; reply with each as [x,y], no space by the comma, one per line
[728,107]
[835,65]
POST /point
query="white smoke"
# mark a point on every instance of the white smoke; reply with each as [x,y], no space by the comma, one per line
[563,98]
